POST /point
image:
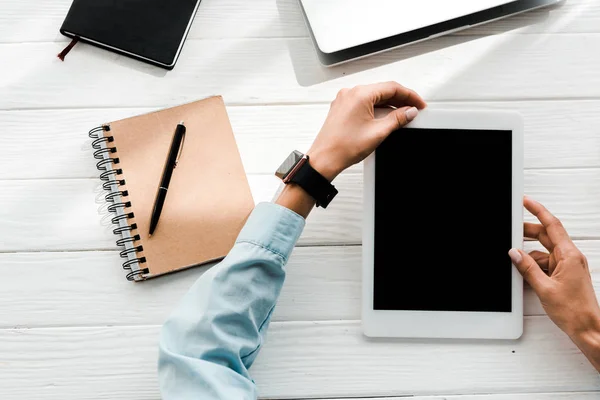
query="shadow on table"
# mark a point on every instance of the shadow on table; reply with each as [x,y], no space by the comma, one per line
[309,70]
[98,54]
[444,342]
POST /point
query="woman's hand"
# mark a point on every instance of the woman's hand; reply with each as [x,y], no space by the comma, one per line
[561,279]
[351,132]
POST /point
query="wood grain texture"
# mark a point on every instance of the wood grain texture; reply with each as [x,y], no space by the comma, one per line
[71,326]
[70,214]
[89,288]
[31,21]
[53,143]
[511,396]
[300,359]
[252,71]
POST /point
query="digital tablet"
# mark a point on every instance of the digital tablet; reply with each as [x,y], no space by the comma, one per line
[443,206]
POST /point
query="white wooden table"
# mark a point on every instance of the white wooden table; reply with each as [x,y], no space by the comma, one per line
[72,327]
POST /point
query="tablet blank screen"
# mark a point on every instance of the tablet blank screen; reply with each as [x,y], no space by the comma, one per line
[443,221]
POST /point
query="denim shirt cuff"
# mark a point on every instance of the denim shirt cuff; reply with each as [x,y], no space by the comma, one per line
[274,227]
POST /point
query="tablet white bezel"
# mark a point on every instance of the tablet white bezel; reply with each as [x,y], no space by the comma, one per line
[443,324]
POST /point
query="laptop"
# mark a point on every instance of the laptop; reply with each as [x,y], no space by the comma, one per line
[343,30]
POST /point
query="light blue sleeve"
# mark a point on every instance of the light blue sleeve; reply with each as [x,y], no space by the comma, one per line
[214,334]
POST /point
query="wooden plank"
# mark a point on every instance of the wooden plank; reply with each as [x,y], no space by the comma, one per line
[54,144]
[31,21]
[511,396]
[73,213]
[254,71]
[564,202]
[88,288]
[300,359]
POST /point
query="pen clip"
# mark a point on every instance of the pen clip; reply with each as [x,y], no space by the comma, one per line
[180,146]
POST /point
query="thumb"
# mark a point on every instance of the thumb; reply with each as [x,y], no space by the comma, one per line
[398,118]
[531,271]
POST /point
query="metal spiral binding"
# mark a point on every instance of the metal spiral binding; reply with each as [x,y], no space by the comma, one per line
[111,183]
[125,253]
[101,165]
[105,176]
[111,196]
[97,144]
[133,274]
[99,154]
[118,231]
[131,239]
[118,218]
[127,264]
[113,207]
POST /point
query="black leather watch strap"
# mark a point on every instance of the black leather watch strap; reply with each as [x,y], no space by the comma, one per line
[315,185]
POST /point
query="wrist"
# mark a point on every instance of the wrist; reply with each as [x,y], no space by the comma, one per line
[295,198]
[588,341]
[586,333]
[306,186]
[323,165]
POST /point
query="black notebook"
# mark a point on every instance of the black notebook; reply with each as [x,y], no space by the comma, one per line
[149,30]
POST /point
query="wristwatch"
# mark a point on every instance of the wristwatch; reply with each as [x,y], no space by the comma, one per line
[296,169]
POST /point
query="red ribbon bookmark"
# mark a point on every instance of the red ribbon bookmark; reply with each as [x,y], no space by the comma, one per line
[67,49]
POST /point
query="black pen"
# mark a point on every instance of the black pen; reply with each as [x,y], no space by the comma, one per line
[170,164]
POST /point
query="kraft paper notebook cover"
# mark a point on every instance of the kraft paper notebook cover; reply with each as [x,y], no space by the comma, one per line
[208,199]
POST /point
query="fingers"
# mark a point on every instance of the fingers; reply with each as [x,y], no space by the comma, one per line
[554,228]
[542,259]
[531,271]
[393,94]
[397,118]
[538,232]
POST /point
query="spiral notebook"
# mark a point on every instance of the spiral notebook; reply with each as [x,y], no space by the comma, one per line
[208,200]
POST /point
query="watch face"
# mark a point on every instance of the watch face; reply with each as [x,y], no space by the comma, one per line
[286,167]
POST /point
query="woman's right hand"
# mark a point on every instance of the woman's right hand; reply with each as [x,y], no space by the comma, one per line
[561,279]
